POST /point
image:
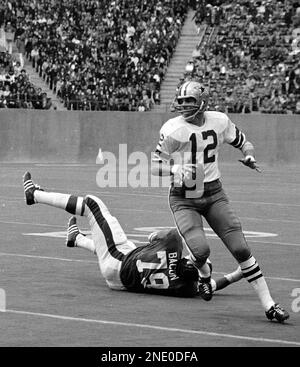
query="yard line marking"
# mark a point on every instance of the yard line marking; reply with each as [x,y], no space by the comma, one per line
[162,195]
[32,224]
[272,278]
[270,220]
[47,258]
[275,243]
[264,203]
[254,242]
[88,165]
[153,327]
[96,262]
[60,226]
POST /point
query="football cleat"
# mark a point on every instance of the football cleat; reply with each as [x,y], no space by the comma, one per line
[205,289]
[72,232]
[278,313]
[29,188]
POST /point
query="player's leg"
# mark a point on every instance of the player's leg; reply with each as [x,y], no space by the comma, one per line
[190,226]
[110,241]
[76,239]
[227,226]
[34,194]
[227,279]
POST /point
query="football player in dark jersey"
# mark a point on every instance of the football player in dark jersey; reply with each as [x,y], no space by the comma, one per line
[157,267]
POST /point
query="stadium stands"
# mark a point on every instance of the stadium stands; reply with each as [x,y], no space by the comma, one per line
[100,55]
[16,91]
[249,56]
[113,54]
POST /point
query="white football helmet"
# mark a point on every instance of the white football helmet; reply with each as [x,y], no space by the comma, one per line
[191,99]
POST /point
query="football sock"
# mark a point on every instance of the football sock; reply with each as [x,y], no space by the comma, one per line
[235,276]
[227,279]
[85,242]
[251,271]
[72,204]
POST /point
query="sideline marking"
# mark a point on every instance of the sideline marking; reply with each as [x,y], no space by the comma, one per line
[153,327]
[251,236]
[47,258]
[96,262]
[209,232]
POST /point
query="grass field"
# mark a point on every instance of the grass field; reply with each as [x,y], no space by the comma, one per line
[55,296]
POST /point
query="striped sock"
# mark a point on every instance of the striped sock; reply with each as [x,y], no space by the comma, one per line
[72,204]
[251,271]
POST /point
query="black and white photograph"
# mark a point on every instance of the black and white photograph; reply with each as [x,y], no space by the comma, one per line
[150,178]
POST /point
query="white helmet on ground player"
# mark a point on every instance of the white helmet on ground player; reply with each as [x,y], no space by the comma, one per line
[191,99]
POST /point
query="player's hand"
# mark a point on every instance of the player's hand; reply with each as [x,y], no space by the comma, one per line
[250,162]
[183,172]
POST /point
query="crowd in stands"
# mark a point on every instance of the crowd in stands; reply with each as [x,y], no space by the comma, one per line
[113,54]
[16,91]
[100,54]
[251,59]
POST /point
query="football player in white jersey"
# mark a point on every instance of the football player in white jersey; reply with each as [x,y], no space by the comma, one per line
[188,151]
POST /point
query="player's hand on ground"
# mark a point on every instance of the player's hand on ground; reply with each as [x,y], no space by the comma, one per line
[250,162]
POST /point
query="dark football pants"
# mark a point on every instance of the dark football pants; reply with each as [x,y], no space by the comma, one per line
[215,208]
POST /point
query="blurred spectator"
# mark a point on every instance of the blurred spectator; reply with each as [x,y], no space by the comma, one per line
[248,55]
[16,91]
[86,50]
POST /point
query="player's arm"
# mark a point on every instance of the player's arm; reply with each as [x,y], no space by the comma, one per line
[237,139]
[163,164]
[249,156]
[162,168]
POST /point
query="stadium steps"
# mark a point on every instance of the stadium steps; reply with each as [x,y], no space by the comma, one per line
[188,41]
[38,82]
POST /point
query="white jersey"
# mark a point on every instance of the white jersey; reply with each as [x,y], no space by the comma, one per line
[184,142]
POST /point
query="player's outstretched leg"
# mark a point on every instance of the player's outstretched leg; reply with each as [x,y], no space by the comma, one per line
[252,273]
[29,188]
[275,311]
[72,232]
[75,238]
[34,194]
[226,280]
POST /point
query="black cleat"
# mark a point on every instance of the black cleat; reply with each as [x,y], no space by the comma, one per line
[72,232]
[205,289]
[29,188]
[278,313]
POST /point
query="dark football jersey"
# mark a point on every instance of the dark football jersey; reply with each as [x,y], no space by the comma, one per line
[152,268]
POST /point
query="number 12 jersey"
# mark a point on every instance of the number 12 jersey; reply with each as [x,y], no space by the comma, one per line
[184,142]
